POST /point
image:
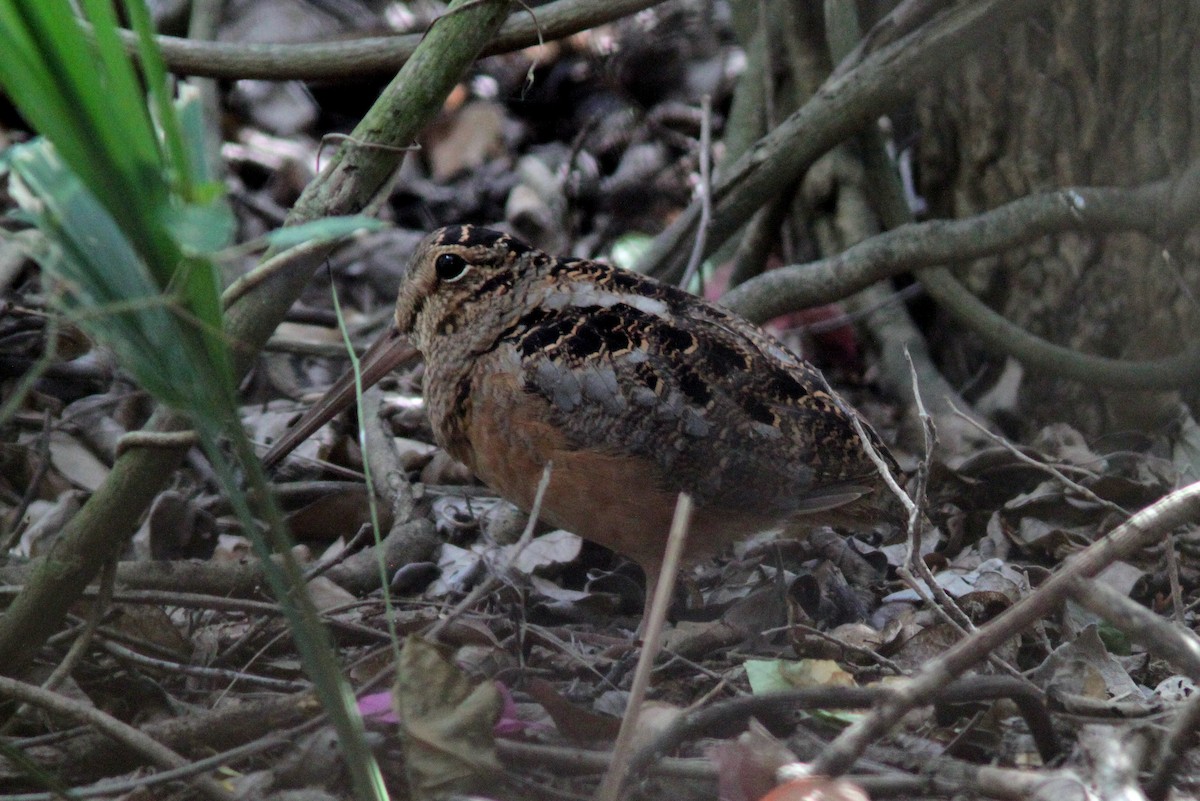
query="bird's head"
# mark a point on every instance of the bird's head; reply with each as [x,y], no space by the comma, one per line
[456,275]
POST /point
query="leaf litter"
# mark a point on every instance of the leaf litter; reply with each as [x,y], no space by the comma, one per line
[528,683]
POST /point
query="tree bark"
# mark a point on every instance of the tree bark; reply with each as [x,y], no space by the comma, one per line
[1088,92]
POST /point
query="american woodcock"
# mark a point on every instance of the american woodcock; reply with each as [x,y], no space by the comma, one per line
[634,390]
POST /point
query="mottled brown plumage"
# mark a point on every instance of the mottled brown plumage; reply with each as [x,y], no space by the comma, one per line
[634,389]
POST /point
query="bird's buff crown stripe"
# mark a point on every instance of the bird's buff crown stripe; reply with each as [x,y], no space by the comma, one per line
[474,236]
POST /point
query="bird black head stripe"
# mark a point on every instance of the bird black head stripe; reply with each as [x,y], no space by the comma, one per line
[474,236]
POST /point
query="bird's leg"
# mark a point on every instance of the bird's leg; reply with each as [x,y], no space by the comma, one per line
[653,573]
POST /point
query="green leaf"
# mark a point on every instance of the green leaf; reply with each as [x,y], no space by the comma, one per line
[56,198]
[201,228]
[85,97]
[786,674]
[1115,641]
[764,676]
[324,229]
[112,93]
[110,290]
[190,110]
[129,214]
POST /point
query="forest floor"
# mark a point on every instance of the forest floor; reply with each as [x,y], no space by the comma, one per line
[592,157]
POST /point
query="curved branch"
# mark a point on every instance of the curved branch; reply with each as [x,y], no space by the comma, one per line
[355,175]
[844,105]
[1157,209]
[1006,338]
[375,55]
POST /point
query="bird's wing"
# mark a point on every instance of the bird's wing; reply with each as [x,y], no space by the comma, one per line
[722,410]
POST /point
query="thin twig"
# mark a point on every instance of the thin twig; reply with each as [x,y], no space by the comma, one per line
[106,724]
[224,759]
[1183,735]
[1173,577]
[1043,466]
[729,716]
[332,138]
[942,604]
[1173,643]
[618,769]
[493,578]
[1143,529]
[32,489]
[914,524]
[850,648]
[928,432]
[83,640]
[885,472]
[324,566]
[704,191]
[284,262]
[222,674]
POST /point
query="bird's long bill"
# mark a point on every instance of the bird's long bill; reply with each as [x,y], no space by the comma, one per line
[387,353]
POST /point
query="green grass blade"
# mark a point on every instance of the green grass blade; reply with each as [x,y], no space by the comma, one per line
[27,74]
[104,274]
[89,102]
[123,96]
[128,223]
[190,110]
[159,82]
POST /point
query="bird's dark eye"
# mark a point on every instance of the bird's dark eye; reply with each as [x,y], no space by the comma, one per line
[450,267]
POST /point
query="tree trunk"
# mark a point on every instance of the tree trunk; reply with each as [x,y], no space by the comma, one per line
[1091,92]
